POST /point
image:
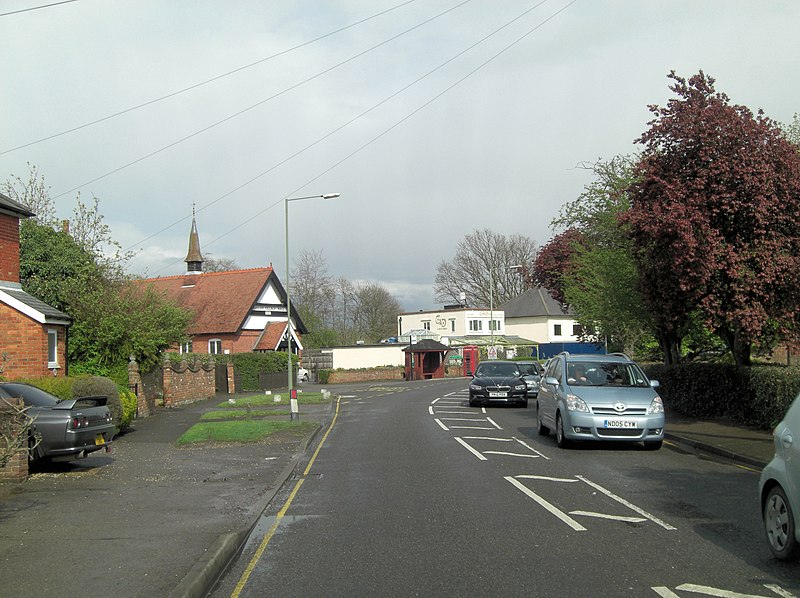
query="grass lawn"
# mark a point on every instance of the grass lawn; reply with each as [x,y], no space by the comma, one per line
[242,431]
[242,413]
[303,398]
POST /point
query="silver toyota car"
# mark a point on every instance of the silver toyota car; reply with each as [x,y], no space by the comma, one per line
[599,397]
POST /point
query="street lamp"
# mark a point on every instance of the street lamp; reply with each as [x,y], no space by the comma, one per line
[286,201]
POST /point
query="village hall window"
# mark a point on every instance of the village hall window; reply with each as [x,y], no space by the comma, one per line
[215,346]
[52,348]
[557,329]
[475,325]
[494,325]
[426,324]
[452,325]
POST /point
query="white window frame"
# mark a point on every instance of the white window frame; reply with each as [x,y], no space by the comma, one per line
[452,325]
[52,349]
[426,324]
[557,330]
[215,343]
[476,325]
[185,347]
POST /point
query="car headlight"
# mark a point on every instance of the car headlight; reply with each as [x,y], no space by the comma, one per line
[475,387]
[521,387]
[656,406]
[575,403]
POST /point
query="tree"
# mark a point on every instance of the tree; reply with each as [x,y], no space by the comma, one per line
[32,193]
[555,262]
[485,268]
[223,264]
[599,276]
[714,220]
[375,316]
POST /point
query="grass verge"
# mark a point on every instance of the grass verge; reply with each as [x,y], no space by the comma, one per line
[241,431]
[303,398]
[242,413]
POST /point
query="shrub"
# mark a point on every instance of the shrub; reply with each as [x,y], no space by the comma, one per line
[324,376]
[756,396]
[101,386]
[129,406]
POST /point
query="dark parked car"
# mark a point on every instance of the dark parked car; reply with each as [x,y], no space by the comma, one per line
[67,430]
[532,374]
[498,382]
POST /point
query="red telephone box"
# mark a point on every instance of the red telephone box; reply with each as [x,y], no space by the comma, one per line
[469,359]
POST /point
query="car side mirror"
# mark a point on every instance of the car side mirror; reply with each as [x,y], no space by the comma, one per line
[654,383]
[550,380]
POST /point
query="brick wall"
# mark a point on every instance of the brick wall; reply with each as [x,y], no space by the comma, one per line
[25,342]
[345,376]
[9,248]
[186,384]
[16,469]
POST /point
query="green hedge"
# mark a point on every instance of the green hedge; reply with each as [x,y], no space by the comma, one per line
[249,365]
[757,396]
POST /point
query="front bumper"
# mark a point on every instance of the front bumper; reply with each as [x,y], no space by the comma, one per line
[513,396]
[589,426]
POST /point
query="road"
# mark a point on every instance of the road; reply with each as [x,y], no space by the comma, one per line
[413,493]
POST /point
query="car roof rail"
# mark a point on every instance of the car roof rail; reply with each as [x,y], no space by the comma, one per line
[621,354]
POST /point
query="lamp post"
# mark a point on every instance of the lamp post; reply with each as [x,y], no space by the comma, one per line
[286,201]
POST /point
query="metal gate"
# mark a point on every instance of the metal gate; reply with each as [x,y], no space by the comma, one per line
[221,377]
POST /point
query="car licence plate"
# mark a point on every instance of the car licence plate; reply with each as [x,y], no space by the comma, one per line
[619,423]
[498,394]
[99,440]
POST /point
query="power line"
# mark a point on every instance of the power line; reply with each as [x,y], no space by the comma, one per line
[16,12]
[337,129]
[264,101]
[380,135]
[196,85]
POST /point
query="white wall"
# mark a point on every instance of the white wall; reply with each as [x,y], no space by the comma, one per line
[368,356]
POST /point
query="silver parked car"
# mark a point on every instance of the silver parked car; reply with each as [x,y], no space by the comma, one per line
[780,488]
[599,397]
[67,430]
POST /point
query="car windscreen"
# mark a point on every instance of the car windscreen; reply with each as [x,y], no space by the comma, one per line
[585,373]
[32,396]
[497,369]
[528,369]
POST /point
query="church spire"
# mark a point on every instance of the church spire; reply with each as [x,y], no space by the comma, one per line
[194,259]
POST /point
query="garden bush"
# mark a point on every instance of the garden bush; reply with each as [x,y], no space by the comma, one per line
[756,396]
[129,406]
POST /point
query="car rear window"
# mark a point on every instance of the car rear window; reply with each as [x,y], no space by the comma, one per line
[32,396]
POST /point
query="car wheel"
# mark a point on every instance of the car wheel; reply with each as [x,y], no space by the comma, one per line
[472,403]
[779,525]
[561,440]
[543,430]
[653,445]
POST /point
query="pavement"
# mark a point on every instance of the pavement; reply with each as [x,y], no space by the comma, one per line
[152,519]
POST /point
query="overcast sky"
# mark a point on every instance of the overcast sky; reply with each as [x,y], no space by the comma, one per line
[432,118]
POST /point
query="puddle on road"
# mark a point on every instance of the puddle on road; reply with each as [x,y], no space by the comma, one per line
[265,523]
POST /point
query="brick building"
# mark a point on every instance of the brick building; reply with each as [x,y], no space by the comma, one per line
[237,311]
[33,335]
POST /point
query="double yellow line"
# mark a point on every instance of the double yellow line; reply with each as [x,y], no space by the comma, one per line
[265,541]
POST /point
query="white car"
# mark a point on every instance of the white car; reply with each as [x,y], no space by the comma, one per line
[780,488]
[302,375]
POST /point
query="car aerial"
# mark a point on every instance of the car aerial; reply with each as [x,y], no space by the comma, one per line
[780,488]
[66,430]
[498,382]
[531,372]
[599,397]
